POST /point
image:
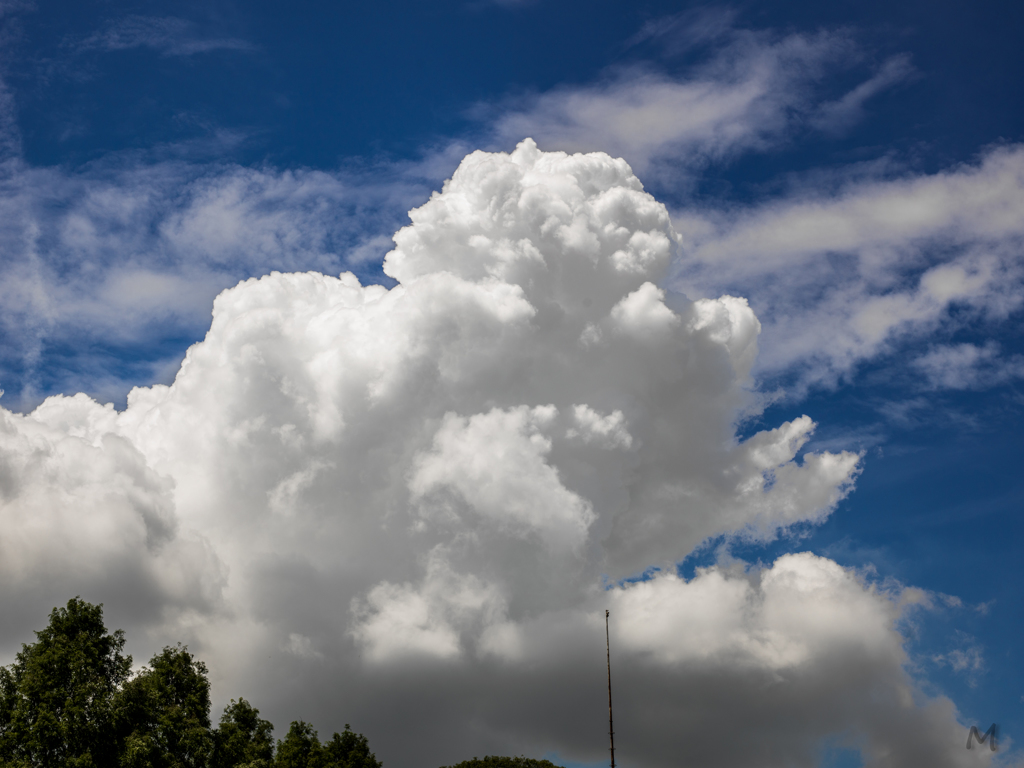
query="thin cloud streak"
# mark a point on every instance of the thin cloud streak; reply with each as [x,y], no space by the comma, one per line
[754,91]
[842,277]
[168,35]
[839,116]
[968,366]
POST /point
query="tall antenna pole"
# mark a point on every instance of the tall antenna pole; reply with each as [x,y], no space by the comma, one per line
[608,651]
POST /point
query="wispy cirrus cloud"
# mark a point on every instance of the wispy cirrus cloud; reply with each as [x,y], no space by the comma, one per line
[968,366]
[168,35]
[848,110]
[841,276]
[748,92]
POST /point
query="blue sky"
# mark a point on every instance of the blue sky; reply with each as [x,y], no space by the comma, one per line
[854,170]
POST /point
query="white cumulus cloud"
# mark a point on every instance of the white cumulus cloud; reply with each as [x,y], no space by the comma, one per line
[403,504]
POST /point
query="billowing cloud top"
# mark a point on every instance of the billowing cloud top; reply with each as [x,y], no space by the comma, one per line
[408,497]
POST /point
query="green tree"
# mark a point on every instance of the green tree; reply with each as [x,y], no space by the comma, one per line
[69,701]
[349,750]
[243,740]
[58,698]
[300,748]
[166,709]
[493,761]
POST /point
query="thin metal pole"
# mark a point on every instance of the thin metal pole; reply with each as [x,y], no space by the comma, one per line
[608,651]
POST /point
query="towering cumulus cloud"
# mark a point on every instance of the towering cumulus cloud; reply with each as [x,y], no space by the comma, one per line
[403,508]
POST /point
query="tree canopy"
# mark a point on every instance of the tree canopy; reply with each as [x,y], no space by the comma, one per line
[243,738]
[301,748]
[167,709]
[59,699]
[71,700]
